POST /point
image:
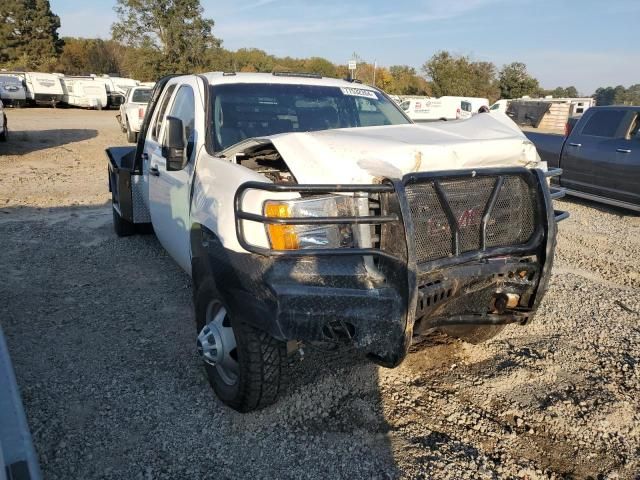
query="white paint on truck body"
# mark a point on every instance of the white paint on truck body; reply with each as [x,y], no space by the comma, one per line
[203,193]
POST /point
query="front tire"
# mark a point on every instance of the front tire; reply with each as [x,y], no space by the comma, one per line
[252,372]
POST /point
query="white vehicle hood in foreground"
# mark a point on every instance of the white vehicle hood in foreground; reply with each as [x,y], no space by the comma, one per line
[361,155]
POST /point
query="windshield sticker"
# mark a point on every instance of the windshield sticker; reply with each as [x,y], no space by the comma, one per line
[359,92]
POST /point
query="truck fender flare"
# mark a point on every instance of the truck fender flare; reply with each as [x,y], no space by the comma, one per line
[200,240]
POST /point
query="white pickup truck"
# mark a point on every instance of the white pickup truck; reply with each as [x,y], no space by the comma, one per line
[312,211]
[132,111]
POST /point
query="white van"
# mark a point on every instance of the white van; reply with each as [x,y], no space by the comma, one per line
[477,103]
[84,92]
[501,106]
[433,109]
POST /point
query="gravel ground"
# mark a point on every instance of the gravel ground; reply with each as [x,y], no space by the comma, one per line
[101,332]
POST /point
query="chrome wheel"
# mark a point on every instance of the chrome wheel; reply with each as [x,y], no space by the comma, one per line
[217,343]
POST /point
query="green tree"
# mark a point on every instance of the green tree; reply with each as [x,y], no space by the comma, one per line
[405,81]
[253,60]
[29,34]
[516,82]
[93,55]
[172,35]
[460,76]
[320,66]
[572,92]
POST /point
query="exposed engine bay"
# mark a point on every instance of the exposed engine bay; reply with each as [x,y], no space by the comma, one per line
[267,161]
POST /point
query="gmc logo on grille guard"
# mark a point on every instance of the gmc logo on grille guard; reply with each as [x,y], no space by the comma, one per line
[471,217]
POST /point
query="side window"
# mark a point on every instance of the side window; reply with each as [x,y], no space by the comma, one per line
[466,106]
[162,112]
[604,123]
[369,113]
[184,108]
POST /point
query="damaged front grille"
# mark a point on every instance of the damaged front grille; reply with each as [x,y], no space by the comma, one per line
[452,216]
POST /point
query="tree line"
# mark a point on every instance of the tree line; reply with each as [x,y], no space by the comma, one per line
[152,38]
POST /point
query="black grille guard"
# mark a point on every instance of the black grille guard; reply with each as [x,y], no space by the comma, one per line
[396,188]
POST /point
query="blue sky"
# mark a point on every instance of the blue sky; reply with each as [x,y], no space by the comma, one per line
[585,43]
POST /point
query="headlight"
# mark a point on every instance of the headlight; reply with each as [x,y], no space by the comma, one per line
[294,237]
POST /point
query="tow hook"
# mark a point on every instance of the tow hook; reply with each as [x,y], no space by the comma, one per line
[502,301]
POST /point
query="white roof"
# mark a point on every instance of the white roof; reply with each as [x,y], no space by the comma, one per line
[218,78]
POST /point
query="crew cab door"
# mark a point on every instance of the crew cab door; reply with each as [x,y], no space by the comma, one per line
[170,191]
[587,148]
[617,173]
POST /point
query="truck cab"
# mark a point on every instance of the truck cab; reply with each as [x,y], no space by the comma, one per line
[600,157]
[313,211]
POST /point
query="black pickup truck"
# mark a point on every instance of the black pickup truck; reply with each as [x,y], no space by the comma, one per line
[599,157]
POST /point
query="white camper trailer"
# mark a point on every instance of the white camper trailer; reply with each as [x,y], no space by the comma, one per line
[84,92]
[12,90]
[116,88]
[43,88]
[425,109]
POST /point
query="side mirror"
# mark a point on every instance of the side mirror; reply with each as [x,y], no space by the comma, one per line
[174,146]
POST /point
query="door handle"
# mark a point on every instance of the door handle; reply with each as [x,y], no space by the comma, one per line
[623,150]
[154,171]
[145,157]
[575,144]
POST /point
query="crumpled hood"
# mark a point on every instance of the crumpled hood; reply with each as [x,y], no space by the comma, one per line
[361,155]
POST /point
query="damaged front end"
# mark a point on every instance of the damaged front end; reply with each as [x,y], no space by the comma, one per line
[426,251]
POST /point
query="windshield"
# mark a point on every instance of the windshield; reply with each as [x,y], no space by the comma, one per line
[243,111]
[141,95]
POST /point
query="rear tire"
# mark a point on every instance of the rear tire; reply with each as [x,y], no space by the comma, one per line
[474,335]
[122,227]
[262,365]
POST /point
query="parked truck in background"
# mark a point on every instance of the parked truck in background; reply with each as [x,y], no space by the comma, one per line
[599,156]
[312,211]
[132,111]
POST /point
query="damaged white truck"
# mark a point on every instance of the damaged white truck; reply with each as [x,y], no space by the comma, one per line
[312,211]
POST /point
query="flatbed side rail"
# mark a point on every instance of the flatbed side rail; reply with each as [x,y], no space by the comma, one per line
[241,216]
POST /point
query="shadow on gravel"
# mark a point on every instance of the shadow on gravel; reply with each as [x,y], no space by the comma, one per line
[102,337]
[23,142]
